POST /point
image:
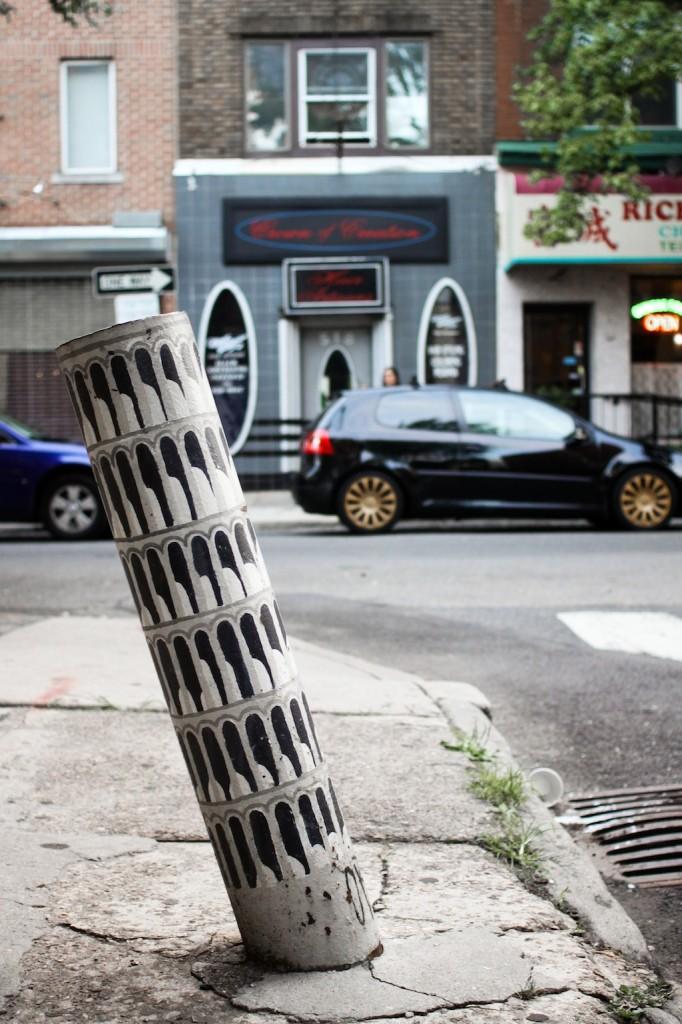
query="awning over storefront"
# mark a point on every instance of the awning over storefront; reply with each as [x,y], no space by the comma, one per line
[618,230]
[87,244]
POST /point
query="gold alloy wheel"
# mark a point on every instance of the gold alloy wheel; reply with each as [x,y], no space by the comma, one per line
[646,500]
[370,503]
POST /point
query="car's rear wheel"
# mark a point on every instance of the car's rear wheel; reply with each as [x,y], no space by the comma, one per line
[644,499]
[71,508]
[370,502]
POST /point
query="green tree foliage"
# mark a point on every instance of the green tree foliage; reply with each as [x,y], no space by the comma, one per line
[70,10]
[592,60]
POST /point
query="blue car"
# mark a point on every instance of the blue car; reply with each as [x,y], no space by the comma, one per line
[47,481]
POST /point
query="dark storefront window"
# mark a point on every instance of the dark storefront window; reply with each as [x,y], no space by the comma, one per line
[656,319]
[366,94]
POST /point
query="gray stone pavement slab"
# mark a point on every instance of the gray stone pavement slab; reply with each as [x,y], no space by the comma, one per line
[559,1008]
[74,978]
[100,772]
[74,661]
[431,887]
[342,684]
[398,782]
[174,899]
[123,772]
[478,965]
[100,661]
[31,862]
[472,966]
[344,995]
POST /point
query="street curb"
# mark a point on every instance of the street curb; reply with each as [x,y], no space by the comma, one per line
[573,881]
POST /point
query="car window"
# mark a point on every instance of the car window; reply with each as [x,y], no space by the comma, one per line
[502,415]
[333,418]
[416,410]
[21,429]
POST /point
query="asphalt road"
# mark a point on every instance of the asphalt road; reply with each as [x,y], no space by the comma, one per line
[462,602]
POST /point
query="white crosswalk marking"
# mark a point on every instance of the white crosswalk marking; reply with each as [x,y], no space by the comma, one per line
[654,633]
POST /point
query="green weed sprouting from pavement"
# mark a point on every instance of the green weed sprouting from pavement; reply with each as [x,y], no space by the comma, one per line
[515,843]
[502,788]
[470,744]
[505,790]
[631,1002]
[529,990]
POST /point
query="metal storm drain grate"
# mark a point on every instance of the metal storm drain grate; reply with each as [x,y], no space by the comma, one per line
[640,831]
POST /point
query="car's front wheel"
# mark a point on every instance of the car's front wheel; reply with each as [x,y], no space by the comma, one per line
[370,502]
[644,499]
[71,508]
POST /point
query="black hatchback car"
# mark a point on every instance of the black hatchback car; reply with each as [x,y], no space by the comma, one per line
[375,456]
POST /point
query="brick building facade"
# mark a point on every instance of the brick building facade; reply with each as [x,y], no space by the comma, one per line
[88,139]
[461,55]
[360,133]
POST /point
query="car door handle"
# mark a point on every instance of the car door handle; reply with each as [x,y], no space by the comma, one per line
[471,448]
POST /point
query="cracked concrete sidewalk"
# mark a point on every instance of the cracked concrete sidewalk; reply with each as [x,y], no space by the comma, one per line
[113,910]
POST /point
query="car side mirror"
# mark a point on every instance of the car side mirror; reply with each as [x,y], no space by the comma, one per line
[579,435]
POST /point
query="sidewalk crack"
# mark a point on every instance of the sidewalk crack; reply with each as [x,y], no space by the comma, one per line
[104,937]
[445,1003]
[378,903]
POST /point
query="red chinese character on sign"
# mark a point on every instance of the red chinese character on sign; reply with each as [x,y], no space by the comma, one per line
[596,229]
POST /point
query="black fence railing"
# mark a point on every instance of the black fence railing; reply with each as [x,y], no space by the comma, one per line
[641,416]
[270,454]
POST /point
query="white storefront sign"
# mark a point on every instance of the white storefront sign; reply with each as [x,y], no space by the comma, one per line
[618,230]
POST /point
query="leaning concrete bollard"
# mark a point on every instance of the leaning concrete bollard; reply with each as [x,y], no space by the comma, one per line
[215,635]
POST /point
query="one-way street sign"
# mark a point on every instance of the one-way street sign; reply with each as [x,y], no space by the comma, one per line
[121,280]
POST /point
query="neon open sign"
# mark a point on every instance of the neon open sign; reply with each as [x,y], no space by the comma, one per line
[650,306]
[661,323]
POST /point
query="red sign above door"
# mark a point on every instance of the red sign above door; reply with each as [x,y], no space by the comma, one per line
[335,285]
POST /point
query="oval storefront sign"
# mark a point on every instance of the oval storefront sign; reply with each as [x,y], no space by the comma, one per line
[412,231]
[230,359]
[447,341]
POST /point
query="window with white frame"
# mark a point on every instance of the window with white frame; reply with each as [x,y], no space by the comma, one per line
[365,95]
[337,96]
[88,117]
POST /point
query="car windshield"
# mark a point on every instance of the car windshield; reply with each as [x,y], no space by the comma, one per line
[22,429]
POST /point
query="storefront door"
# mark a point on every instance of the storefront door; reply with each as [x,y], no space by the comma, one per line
[332,360]
[556,343]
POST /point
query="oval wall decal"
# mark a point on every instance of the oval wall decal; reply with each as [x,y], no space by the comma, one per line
[227,344]
[447,352]
[343,230]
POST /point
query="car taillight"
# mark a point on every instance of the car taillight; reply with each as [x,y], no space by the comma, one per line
[317,442]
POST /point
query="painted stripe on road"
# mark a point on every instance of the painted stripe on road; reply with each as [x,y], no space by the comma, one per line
[654,633]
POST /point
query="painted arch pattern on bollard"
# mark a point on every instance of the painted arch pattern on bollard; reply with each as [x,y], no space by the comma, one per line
[218,643]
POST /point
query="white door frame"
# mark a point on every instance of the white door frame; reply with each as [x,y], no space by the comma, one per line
[289,350]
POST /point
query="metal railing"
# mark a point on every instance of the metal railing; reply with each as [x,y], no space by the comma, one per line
[270,453]
[644,417]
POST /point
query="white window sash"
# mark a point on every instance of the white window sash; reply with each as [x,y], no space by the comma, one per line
[64,117]
[368,138]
